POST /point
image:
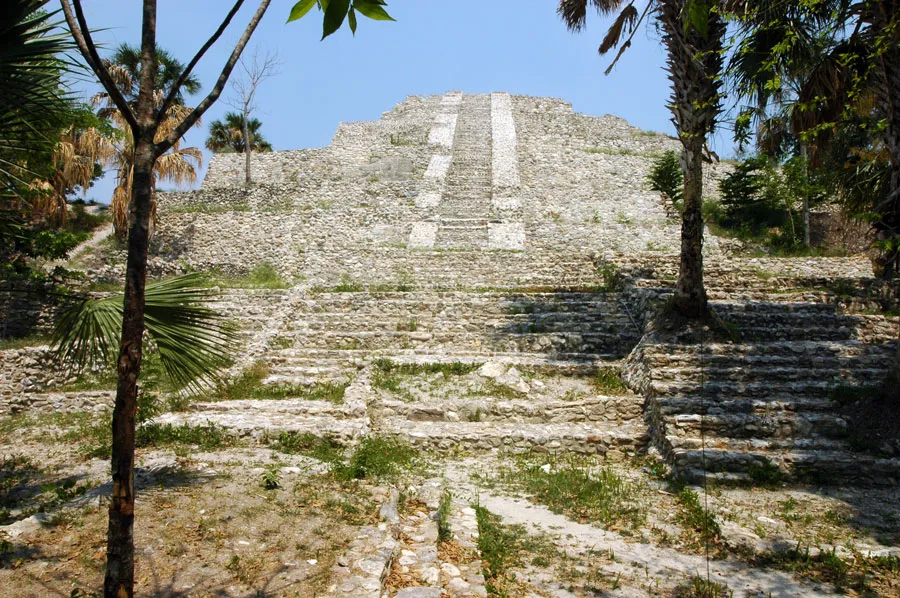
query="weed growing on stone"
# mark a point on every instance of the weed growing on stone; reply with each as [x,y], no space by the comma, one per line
[265,276]
[846,394]
[624,219]
[308,444]
[377,458]
[444,531]
[498,547]
[398,140]
[765,474]
[271,479]
[505,547]
[613,278]
[208,437]
[696,518]
[572,488]
[250,386]
[699,587]
[865,575]
[612,151]
[388,375]
[608,381]
[34,340]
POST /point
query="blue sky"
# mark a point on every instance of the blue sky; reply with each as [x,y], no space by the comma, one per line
[474,46]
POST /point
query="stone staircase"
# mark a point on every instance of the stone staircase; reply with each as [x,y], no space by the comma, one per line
[464,210]
[338,333]
[729,408]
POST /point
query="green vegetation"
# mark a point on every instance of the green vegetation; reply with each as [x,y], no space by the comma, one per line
[866,576]
[373,458]
[667,178]
[695,517]
[612,276]
[444,531]
[398,140]
[193,342]
[583,493]
[499,551]
[388,375]
[609,382]
[208,437]
[308,444]
[699,587]
[262,276]
[250,386]
[505,547]
[34,340]
[613,151]
[271,479]
[24,491]
[765,474]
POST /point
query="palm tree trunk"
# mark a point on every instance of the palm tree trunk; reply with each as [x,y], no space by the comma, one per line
[690,293]
[694,63]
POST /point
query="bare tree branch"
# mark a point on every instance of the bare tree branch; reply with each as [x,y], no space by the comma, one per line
[253,74]
[82,36]
[208,101]
[173,93]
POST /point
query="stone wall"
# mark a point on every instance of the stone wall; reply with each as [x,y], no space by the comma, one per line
[27,308]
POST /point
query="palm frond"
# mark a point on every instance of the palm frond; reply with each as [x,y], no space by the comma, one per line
[626,20]
[194,341]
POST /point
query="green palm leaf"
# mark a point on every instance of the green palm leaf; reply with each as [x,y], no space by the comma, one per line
[33,102]
[194,341]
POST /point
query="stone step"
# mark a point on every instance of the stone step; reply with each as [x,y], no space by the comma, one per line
[817,466]
[267,422]
[812,387]
[306,367]
[281,409]
[583,323]
[777,425]
[748,445]
[770,405]
[760,353]
[627,409]
[788,373]
[484,302]
[547,342]
[612,441]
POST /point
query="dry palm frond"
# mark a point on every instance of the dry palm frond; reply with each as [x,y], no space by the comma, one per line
[626,20]
[177,166]
[118,207]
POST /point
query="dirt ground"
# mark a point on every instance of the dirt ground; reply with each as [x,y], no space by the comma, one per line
[241,520]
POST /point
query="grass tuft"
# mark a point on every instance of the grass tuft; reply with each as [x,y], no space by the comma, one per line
[572,489]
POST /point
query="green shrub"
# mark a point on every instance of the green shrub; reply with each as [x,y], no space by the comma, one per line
[667,178]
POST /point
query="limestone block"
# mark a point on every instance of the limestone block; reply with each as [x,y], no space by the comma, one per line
[508,236]
[423,235]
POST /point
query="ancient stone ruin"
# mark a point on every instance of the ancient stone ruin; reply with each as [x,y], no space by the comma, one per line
[513,236]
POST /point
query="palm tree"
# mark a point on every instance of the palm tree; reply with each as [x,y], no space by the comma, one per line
[227,135]
[693,33]
[779,45]
[34,105]
[860,75]
[178,165]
